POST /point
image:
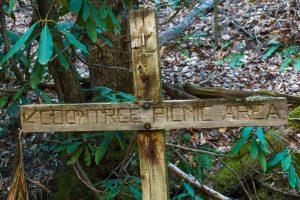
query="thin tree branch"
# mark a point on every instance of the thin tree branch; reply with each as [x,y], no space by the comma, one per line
[78,169]
[237,176]
[195,183]
[126,156]
[7,45]
[187,21]
[198,151]
[100,65]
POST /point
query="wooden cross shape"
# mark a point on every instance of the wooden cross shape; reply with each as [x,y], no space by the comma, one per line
[150,115]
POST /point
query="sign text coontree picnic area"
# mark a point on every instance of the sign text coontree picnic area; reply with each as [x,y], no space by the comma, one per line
[149,114]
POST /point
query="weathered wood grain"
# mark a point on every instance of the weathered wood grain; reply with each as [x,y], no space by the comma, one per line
[160,115]
[147,86]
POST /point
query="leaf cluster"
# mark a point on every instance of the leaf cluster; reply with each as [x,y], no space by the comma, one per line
[254,139]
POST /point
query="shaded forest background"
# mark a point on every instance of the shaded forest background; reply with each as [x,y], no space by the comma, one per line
[237,45]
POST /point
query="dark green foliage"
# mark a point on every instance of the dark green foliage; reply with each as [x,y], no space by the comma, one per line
[45,49]
[273,45]
[190,193]
[16,47]
[258,148]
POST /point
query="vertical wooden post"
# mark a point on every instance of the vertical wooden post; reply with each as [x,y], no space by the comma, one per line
[147,86]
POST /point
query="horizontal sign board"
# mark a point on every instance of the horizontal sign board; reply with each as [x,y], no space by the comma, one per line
[150,116]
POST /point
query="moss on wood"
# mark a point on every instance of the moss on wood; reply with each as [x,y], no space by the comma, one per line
[294,117]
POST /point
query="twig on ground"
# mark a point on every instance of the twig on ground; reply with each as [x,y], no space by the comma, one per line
[254,188]
[198,151]
[213,75]
[182,26]
[238,26]
[195,183]
[39,184]
[79,171]
[278,190]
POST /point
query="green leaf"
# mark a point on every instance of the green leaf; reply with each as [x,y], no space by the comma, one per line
[18,44]
[23,100]
[246,132]
[262,160]
[292,176]
[103,11]
[64,25]
[72,39]
[73,147]
[3,100]
[13,110]
[46,98]
[18,93]
[137,194]
[102,148]
[86,10]
[296,63]
[270,51]
[36,75]
[106,40]
[235,60]
[286,162]
[262,140]
[75,6]
[1,132]
[60,148]
[297,182]
[189,189]
[290,50]
[274,43]
[245,135]
[45,49]
[185,53]
[277,158]
[114,192]
[285,63]
[253,148]
[198,197]
[62,59]
[237,146]
[75,156]
[11,6]
[180,196]
[115,21]
[96,16]
[91,29]
[13,37]
[87,157]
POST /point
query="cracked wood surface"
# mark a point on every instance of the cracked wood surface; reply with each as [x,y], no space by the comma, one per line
[147,86]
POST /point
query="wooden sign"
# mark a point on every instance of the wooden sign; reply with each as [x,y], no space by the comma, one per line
[153,116]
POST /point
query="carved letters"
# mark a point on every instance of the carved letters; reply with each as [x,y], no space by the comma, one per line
[165,115]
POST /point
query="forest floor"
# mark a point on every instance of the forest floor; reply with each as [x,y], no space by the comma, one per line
[246,30]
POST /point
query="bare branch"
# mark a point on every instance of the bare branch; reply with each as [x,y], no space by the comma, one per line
[7,45]
[195,183]
[198,151]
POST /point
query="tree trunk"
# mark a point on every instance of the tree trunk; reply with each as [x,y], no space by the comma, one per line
[66,82]
[113,59]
